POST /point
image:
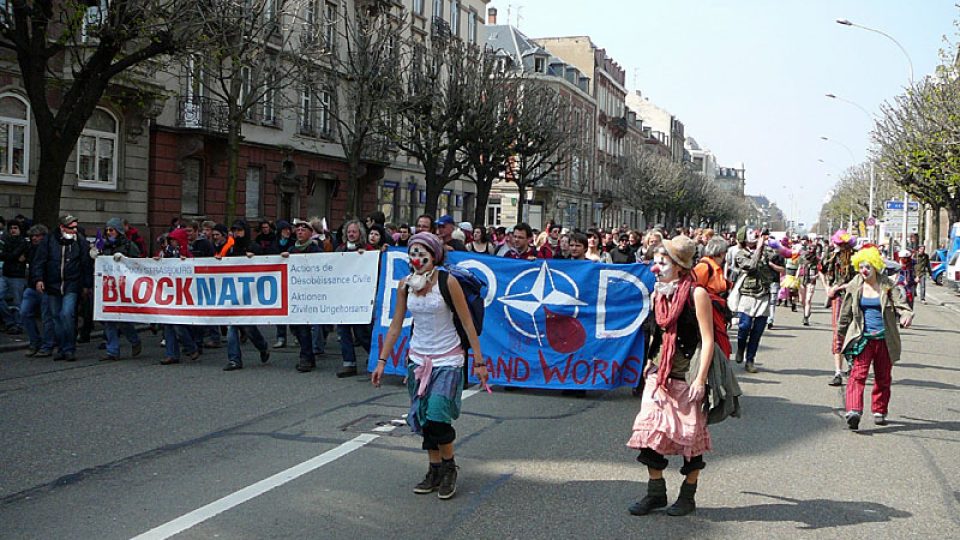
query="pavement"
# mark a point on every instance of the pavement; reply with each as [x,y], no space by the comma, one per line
[95,450]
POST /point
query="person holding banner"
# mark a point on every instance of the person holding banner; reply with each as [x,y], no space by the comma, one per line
[436,359]
[304,244]
[178,336]
[243,247]
[116,245]
[672,420]
[352,335]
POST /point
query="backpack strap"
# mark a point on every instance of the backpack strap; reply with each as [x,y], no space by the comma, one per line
[442,277]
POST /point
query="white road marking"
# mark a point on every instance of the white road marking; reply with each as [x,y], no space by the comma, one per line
[198,516]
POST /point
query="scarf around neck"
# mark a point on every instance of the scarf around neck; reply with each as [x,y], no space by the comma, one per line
[667,311]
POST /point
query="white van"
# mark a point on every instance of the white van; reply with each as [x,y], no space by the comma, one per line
[952,274]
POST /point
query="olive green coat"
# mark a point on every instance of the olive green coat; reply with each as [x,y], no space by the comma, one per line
[892,305]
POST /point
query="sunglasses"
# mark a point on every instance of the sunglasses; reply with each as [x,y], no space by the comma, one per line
[73,228]
[110,229]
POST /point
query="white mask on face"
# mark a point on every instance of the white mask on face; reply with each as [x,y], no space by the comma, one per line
[69,236]
[421,268]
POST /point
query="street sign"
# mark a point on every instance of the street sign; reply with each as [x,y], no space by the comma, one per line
[871,221]
[898,206]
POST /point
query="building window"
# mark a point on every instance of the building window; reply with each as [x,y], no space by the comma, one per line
[455,17]
[389,201]
[472,27]
[92,20]
[14,138]
[418,7]
[438,8]
[539,64]
[323,114]
[270,99]
[330,27]
[493,214]
[97,152]
[314,112]
[443,204]
[252,191]
[191,187]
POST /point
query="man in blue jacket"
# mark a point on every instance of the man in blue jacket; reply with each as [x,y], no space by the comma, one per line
[63,270]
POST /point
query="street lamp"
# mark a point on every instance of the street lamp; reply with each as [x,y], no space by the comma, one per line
[873,181]
[846,22]
[845,147]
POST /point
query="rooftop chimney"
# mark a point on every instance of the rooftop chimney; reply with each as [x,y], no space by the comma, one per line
[492,16]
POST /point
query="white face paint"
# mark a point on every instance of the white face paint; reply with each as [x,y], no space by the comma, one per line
[421,267]
[867,270]
[665,269]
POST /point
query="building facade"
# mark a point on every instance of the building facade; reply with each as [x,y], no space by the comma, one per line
[565,196]
[607,80]
[663,125]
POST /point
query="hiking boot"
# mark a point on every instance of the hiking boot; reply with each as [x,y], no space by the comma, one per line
[751,368]
[837,380]
[192,357]
[448,479]
[305,367]
[264,356]
[233,366]
[346,371]
[740,355]
[137,349]
[281,343]
[43,353]
[656,498]
[879,419]
[430,482]
[685,501]
[108,358]
[169,361]
[853,420]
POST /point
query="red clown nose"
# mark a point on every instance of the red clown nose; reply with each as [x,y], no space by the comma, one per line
[417,263]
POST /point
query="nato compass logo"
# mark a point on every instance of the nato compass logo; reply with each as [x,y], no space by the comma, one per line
[547,307]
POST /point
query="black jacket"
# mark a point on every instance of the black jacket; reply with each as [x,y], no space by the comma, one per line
[122,246]
[14,247]
[64,266]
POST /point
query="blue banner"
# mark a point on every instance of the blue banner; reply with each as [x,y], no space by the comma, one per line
[547,324]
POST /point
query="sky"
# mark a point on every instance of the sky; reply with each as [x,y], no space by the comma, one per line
[748,78]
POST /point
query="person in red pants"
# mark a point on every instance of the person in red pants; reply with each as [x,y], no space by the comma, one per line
[872,308]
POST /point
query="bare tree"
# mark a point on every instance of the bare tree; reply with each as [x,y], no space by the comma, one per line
[69,52]
[435,98]
[244,55]
[544,134]
[487,128]
[850,195]
[364,76]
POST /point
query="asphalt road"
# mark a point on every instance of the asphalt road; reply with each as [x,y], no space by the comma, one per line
[92,450]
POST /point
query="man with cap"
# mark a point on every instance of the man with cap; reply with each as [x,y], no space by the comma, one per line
[14,278]
[445,226]
[34,303]
[118,246]
[63,270]
[303,244]
[622,254]
[753,304]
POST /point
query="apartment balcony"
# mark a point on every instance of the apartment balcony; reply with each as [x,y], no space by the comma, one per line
[549,182]
[440,28]
[202,114]
[618,126]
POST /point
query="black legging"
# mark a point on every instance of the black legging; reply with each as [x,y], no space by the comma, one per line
[656,461]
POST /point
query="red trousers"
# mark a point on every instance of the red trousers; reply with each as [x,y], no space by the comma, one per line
[876,353]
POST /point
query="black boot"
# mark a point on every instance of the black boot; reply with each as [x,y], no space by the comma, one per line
[740,351]
[685,503]
[656,498]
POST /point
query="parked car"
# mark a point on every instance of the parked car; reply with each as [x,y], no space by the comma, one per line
[938,266]
[952,273]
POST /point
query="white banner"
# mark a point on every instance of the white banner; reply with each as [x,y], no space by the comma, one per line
[318,288]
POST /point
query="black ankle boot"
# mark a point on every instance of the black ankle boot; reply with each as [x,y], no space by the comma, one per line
[656,498]
[685,502]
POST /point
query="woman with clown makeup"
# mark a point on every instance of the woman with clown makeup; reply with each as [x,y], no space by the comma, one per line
[672,420]
[436,358]
[870,312]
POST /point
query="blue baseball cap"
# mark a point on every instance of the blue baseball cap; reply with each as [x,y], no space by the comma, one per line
[445,220]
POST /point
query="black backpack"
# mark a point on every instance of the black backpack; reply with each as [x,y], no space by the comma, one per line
[473,290]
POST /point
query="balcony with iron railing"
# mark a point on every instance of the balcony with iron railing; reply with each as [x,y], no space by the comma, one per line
[202,113]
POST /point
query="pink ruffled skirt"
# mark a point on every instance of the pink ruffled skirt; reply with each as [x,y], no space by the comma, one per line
[671,424]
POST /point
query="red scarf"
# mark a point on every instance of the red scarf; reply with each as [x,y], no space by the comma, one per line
[667,311]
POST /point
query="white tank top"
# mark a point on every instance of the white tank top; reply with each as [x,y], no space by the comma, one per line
[434,335]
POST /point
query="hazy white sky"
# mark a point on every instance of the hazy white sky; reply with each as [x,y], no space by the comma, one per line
[748,77]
